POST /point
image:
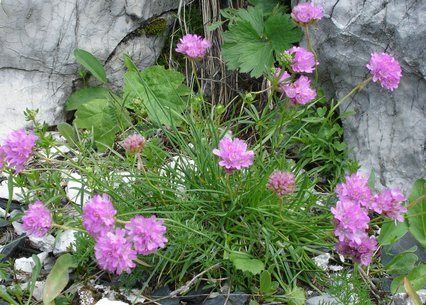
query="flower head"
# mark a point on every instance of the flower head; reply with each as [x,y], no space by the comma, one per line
[193,46]
[37,220]
[351,219]
[98,215]
[389,204]
[114,252]
[304,61]
[134,143]
[355,189]
[18,147]
[385,70]
[362,252]
[305,13]
[147,234]
[300,92]
[281,183]
[234,154]
[283,77]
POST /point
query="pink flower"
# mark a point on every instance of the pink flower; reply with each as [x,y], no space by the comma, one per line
[300,91]
[362,252]
[352,221]
[283,78]
[37,220]
[18,147]
[233,154]
[385,70]
[304,61]
[281,183]
[147,234]
[306,13]
[193,46]
[355,189]
[114,252]
[98,215]
[134,143]
[389,204]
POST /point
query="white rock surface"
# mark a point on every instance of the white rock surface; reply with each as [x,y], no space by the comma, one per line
[4,189]
[17,226]
[26,264]
[44,243]
[106,301]
[403,299]
[322,260]
[76,189]
[323,300]
[38,289]
[64,241]
[388,132]
[37,66]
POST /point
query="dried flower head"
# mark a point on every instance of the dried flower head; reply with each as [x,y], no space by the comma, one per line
[134,143]
[385,70]
[114,252]
[193,46]
[389,204]
[18,147]
[281,183]
[98,215]
[37,220]
[147,234]
[306,13]
[303,60]
[2,158]
[233,154]
[300,92]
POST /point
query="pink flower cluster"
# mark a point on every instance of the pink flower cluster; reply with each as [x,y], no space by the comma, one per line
[351,215]
[306,13]
[233,154]
[37,220]
[193,46]
[300,91]
[282,183]
[385,70]
[133,144]
[17,149]
[116,248]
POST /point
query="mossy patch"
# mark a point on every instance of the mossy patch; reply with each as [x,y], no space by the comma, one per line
[155,28]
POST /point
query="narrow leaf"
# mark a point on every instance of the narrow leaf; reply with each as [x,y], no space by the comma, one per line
[91,63]
[411,292]
[417,214]
[34,276]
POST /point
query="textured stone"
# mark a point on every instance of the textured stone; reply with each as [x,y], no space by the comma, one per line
[37,66]
[404,299]
[388,131]
[323,300]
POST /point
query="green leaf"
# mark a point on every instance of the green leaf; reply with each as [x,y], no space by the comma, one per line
[94,115]
[265,281]
[417,277]
[402,263]
[372,180]
[91,63]
[412,292]
[391,232]
[253,302]
[296,296]
[34,276]
[85,95]
[251,41]
[5,296]
[266,5]
[58,277]
[161,92]
[416,215]
[244,262]
[130,65]
[213,26]
[68,132]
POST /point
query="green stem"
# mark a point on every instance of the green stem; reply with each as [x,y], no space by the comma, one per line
[309,41]
[357,88]
[142,263]
[55,225]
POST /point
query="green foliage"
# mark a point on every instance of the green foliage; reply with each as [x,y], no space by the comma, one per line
[417,277]
[245,263]
[255,37]
[417,213]
[391,232]
[91,63]
[85,95]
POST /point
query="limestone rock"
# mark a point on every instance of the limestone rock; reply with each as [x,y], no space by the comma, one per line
[64,242]
[37,66]
[388,131]
[26,264]
[404,299]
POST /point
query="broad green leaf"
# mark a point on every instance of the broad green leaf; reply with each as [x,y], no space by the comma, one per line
[244,262]
[416,215]
[282,32]
[417,277]
[266,5]
[95,115]
[68,132]
[402,263]
[296,296]
[391,232]
[91,63]
[85,95]
[58,278]
[265,281]
[161,92]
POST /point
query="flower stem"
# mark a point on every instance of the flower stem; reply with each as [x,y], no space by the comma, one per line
[121,221]
[309,41]
[55,225]
[142,263]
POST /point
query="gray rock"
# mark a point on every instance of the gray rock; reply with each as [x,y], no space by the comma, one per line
[37,66]
[26,264]
[388,131]
[64,242]
[44,243]
[404,299]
